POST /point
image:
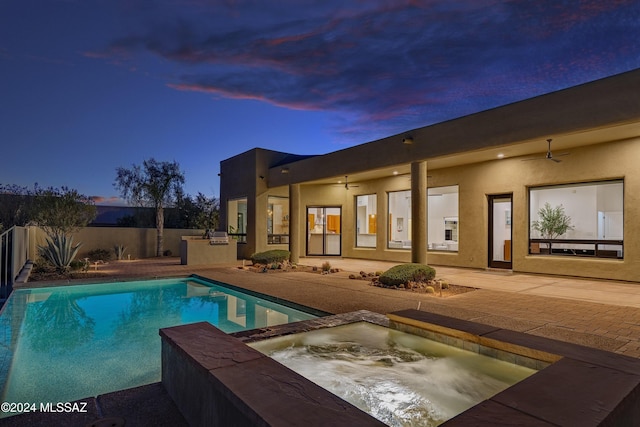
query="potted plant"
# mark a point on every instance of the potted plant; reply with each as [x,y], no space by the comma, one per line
[552,222]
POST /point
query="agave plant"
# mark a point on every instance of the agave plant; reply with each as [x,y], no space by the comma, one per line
[60,251]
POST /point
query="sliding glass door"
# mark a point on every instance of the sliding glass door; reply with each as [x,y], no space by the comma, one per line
[324,225]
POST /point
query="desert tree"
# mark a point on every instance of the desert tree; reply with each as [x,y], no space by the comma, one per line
[208,209]
[16,205]
[59,212]
[199,211]
[152,184]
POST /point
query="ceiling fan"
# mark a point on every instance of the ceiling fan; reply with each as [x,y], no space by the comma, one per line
[549,155]
[346,183]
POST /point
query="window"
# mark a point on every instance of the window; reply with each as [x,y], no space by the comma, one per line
[443,223]
[366,221]
[595,216]
[277,220]
[237,218]
[400,220]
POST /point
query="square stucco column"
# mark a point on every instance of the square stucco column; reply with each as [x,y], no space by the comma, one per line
[419,212]
[294,222]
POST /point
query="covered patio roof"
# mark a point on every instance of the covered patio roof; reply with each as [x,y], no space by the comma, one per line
[601,111]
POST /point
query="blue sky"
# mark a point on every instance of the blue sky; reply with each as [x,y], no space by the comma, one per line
[87,86]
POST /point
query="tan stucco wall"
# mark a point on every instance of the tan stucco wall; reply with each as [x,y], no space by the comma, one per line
[592,163]
[601,162]
[140,242]
[194,250]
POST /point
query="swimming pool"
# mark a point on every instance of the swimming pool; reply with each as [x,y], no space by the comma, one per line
[64,343]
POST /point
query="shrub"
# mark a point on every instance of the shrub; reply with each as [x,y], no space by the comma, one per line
[269,257]
[99,255]
[79,264]
[404,273]
[326,266]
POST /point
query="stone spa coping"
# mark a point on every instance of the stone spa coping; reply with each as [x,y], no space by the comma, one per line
[575,385]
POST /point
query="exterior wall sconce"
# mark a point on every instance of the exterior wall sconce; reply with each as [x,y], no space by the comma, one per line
[408,140]
[284,170]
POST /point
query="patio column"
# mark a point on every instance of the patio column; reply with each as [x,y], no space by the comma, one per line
[294,222]
[419,212]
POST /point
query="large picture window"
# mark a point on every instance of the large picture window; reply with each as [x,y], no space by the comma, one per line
[400,220]
[366,221]
[237,218]
[277,220]
[443,228]
[593,214]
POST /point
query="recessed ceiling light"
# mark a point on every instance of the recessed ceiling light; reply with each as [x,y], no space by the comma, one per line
[395,172]
[500,156]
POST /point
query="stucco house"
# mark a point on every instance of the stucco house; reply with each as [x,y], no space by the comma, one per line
[464,192]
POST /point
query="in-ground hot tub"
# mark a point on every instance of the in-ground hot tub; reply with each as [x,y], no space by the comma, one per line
[400,378]
[215,379]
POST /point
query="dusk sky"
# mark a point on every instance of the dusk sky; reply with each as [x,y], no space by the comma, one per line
[87,86]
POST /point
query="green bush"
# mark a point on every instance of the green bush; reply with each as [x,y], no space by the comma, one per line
[78,264]
[269,257]
[99,255]
[404,273]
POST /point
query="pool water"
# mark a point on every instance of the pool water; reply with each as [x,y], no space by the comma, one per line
[399,378]
[65,343]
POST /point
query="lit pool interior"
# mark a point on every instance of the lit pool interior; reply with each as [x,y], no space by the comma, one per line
[399,378]
[60,344]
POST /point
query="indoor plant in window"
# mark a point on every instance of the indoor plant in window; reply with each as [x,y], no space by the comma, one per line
[552,222]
